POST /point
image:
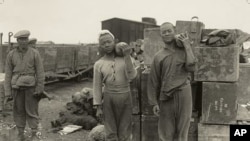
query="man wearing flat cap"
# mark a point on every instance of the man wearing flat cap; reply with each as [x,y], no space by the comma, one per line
[24,81]
[32,42]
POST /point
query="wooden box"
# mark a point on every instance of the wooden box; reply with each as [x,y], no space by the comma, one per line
[219,103]
[213,132]
[217,64]
[193,28]
[146,108]
[149,131]
[243,93]
[136,127]
[152,44]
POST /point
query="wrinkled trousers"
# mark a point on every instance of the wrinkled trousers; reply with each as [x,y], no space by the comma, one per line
[25,107]
[117,110]
[175,115]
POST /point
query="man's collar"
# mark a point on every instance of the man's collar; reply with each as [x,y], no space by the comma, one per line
[22,51]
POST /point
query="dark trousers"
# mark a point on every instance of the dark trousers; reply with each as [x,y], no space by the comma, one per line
[175,115]
[117,110]
[25,107]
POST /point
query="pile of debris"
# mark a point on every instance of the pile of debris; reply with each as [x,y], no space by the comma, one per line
[79,111]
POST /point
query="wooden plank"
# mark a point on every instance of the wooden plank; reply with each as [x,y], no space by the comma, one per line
[149,128]
[49,61]
[146,108]
[136,128]
[217,64]
[65,59]
[219,103]
[152,44]
[135,91]
[82,57]
[94,53]
[243,93]
[213,132]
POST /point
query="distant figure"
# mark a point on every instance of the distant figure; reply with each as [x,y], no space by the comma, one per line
[137,52]
[32,42]
[169,87]
[114,70]
[24,81]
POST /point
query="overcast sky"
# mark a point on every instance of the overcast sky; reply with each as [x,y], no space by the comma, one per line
[74,21]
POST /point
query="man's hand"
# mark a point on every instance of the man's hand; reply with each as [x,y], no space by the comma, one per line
[183,37]
[7,99]
[99,113]
[126,49]
[156,110]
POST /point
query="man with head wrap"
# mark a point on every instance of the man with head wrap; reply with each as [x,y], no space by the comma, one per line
[114,70]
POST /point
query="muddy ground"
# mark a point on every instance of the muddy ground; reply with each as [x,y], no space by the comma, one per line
[49,110]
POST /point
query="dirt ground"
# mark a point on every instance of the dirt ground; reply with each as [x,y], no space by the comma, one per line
[49,110]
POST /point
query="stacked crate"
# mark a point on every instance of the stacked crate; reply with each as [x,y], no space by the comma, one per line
[218,70]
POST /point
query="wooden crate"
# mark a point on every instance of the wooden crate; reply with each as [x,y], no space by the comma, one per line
[243,93]
[217,64]
[149,131]
[152,44]
[213,132]
[193,28]
[219,103]
[136,127]
[146,108]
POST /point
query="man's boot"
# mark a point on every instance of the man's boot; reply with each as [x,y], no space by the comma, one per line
[20,136]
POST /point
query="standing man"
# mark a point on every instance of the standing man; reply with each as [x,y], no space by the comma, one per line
[114,102]
[24,81]
[32,42]
[169,87]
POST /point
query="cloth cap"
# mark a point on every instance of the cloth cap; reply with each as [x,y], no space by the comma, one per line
[22,33]
[32,40]
[103,32]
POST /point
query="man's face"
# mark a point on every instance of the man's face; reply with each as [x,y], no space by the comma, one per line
[137,48]
[167,33]
[23,42]
[107,43]
[33,45]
